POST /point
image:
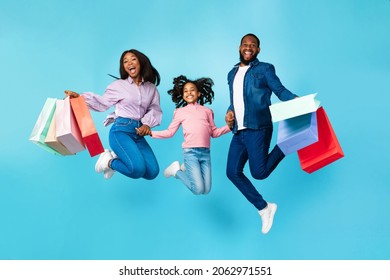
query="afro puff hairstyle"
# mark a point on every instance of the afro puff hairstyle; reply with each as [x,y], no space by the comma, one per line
[203,85]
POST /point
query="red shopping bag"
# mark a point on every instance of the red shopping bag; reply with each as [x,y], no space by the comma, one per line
[323,152]
[86,125]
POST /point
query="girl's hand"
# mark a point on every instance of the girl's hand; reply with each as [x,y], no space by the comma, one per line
[229,119]
[143,130]
[71,94]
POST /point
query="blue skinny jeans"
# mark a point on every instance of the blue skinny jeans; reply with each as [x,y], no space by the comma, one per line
[135,157]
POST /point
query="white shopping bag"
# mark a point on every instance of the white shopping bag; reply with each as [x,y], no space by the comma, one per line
[295,107]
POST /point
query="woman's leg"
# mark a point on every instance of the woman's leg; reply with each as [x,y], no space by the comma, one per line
[151,165]
[135,159]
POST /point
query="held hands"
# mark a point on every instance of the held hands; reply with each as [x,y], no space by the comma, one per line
[229,118]
[71,94]
[143,130]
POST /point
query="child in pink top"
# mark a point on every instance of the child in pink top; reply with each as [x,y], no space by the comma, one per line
[198,126]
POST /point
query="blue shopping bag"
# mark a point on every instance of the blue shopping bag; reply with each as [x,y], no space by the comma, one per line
[297,133]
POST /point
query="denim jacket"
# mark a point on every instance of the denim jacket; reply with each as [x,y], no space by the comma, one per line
[259,82]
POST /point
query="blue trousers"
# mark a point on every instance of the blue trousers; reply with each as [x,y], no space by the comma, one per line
[253,146]
[135,157]
[197,176]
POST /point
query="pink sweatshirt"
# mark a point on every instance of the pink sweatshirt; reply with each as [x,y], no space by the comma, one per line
[198,126]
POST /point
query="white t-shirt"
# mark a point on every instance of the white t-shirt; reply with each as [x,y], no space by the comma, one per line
[238,96]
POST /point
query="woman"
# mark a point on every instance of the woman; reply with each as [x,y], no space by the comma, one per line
[137,109]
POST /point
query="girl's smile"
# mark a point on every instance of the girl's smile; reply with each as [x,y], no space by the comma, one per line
[190,93]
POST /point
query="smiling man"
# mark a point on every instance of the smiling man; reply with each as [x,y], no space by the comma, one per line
[251,84]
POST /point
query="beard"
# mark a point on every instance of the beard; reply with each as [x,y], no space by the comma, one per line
[246,62]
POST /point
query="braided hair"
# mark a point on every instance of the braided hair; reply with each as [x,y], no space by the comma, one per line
[203,85]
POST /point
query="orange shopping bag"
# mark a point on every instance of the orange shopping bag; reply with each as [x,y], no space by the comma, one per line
[86,125]
[323,152]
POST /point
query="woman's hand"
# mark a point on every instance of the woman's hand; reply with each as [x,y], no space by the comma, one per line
[229,118]
[71,94]
[143,130]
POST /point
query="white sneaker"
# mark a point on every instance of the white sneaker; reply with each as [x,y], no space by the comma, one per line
[183,167]
[102,163]
[172,169]
[110,172]
[267,217]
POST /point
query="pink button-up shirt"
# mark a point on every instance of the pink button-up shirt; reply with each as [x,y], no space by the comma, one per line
[198,126]
[130,100]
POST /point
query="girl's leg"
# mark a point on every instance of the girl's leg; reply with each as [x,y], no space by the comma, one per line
[192,177]
[205,167]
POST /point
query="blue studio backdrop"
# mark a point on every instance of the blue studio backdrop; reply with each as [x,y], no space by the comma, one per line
[54,207]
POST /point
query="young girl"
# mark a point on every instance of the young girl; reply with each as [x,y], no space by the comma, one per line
[198,125]
[137,109]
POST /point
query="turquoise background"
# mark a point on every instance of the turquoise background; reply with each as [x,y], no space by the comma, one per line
[55,207]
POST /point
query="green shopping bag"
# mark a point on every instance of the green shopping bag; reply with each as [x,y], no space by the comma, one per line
[42,125]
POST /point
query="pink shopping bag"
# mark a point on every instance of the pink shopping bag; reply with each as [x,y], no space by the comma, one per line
[53,142]
[67,129]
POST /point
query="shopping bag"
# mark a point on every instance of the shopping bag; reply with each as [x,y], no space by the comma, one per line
[86,125]
[67,130]
[53,142]
[294,107]
[297,133]
[41,127]
[323,152]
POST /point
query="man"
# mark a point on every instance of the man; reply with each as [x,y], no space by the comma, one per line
[251,84]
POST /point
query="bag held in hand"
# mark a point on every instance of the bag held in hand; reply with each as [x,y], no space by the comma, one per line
[52,141]
[297,133]
[294,107]
[323,152]
[86,125]
[67,130]
[42,125]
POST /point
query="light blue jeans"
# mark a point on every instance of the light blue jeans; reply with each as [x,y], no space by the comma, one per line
[197,176]
[135,157]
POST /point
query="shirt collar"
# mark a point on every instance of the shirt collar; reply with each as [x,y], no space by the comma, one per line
[132,82]
[193,104]
[252,63]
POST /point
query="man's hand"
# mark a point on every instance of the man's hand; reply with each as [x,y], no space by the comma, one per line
[229,119]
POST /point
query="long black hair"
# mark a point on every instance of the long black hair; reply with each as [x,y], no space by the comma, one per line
[148,72]
[203,85]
